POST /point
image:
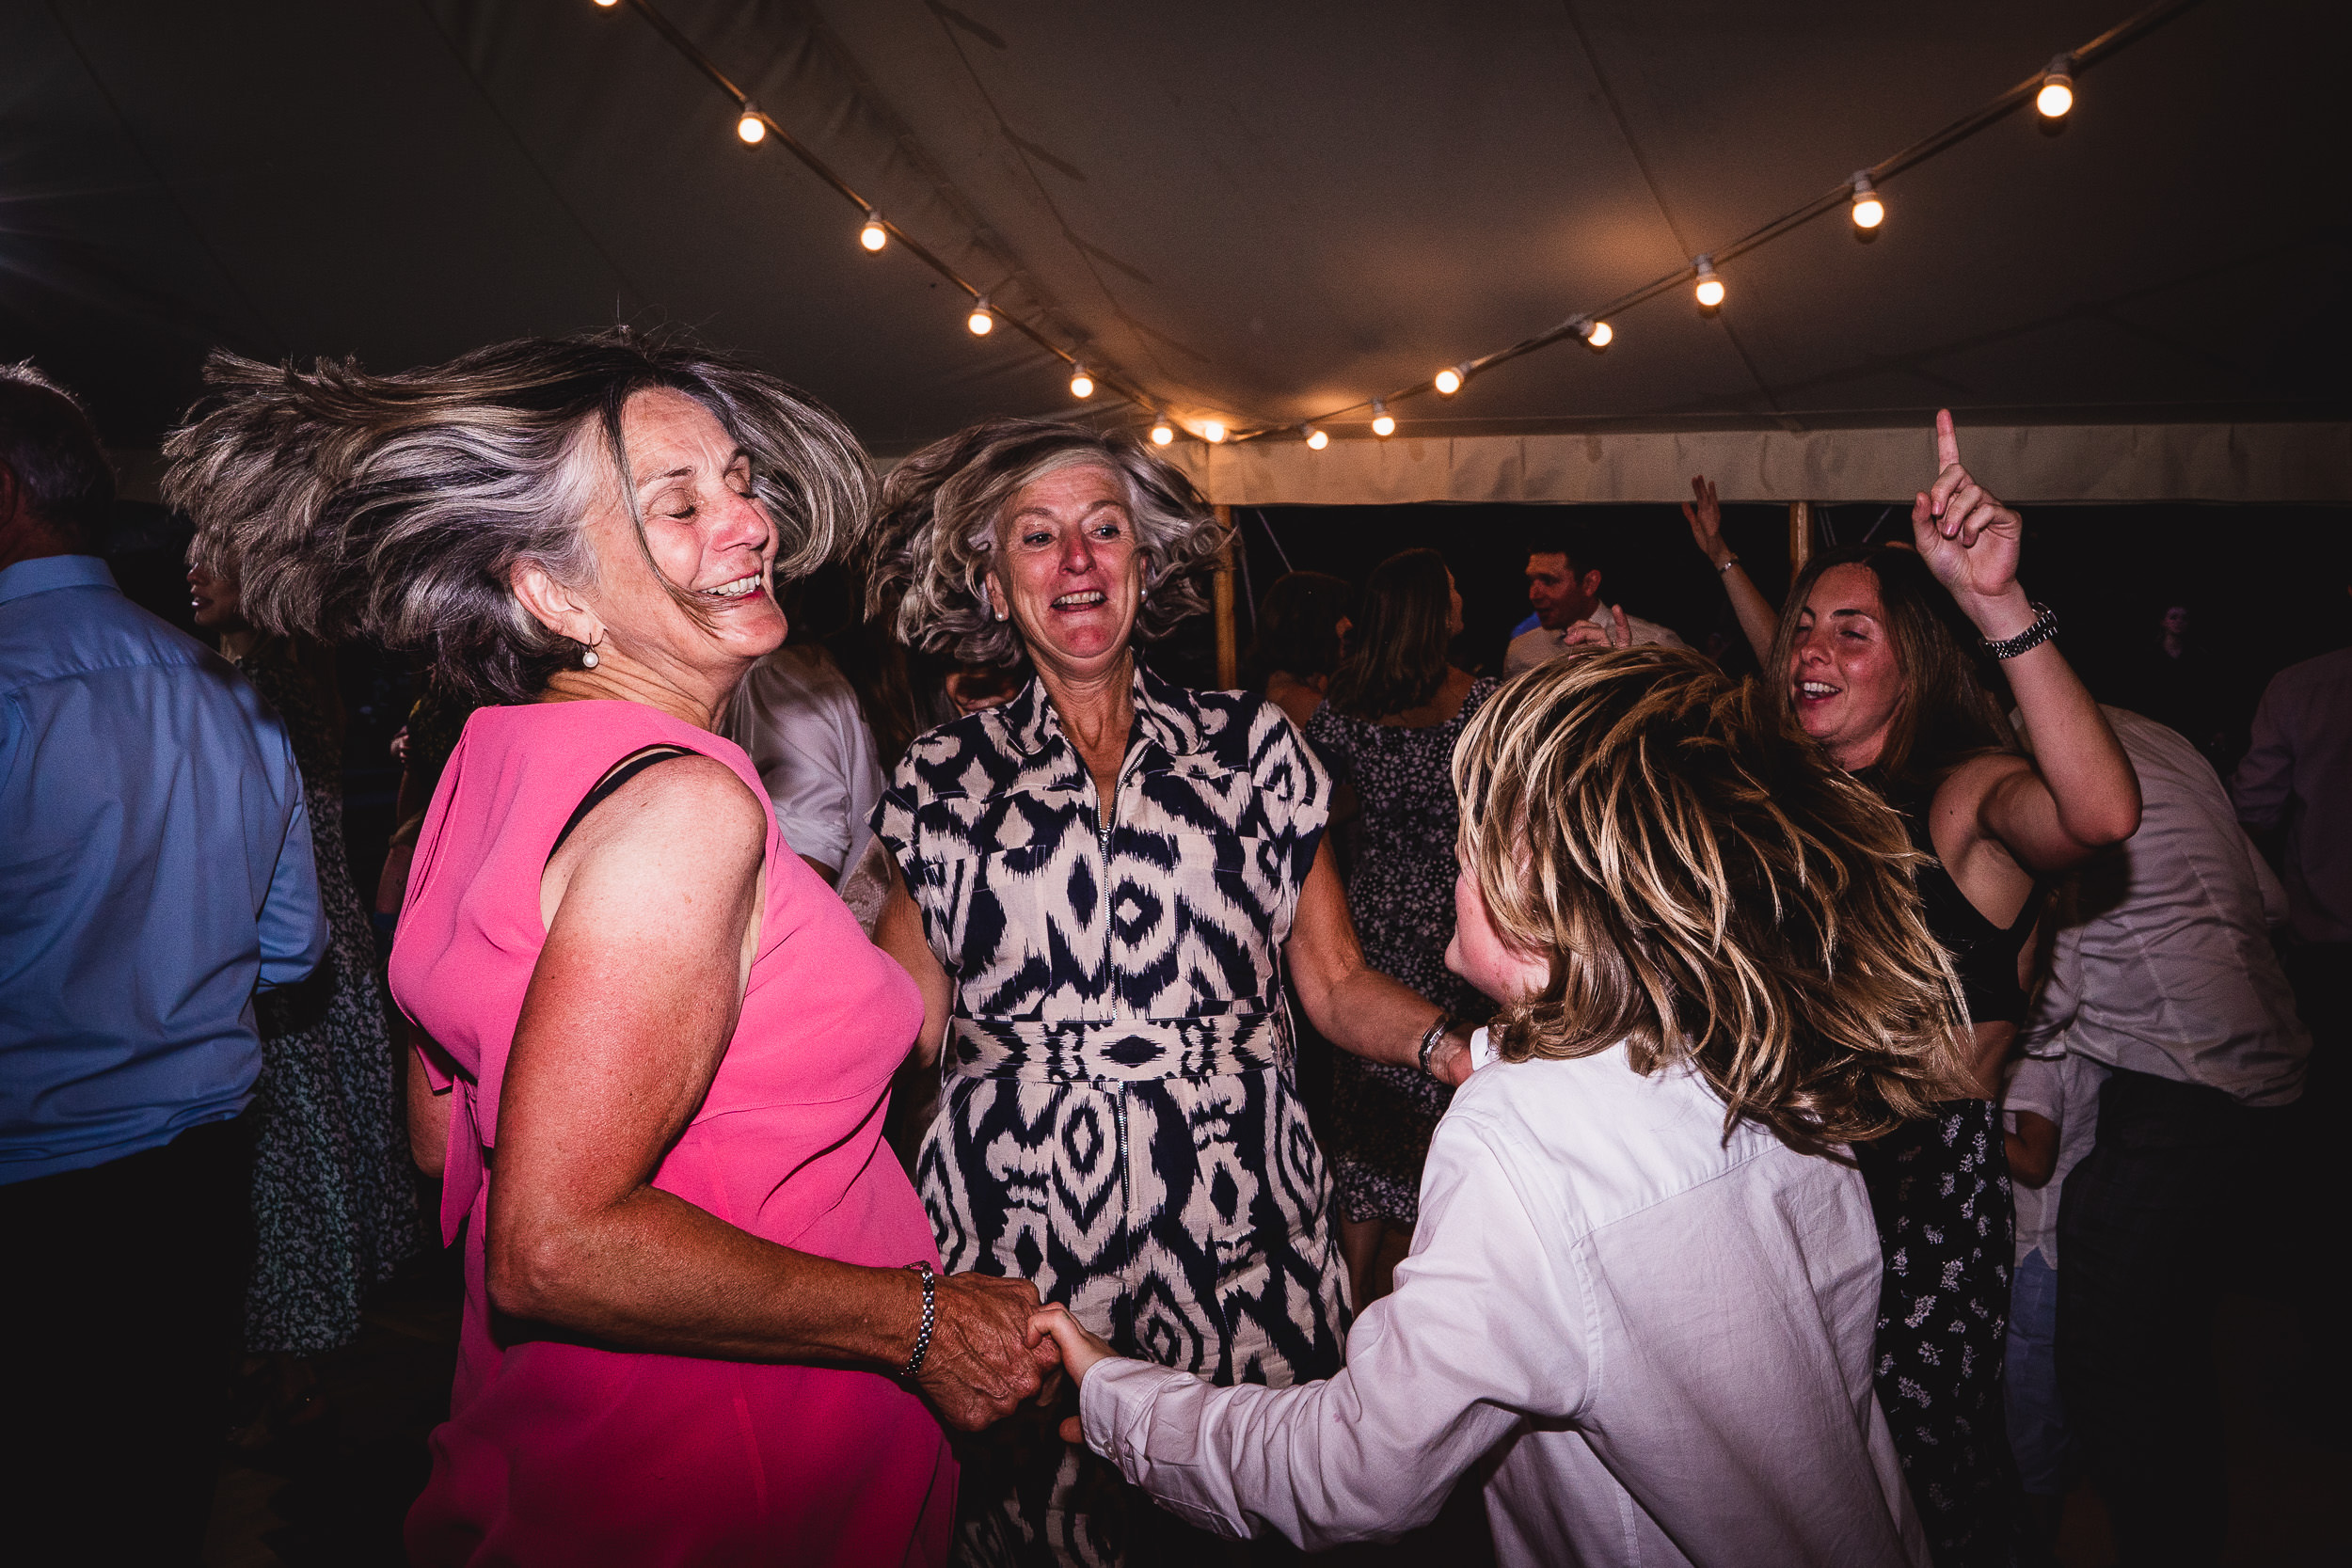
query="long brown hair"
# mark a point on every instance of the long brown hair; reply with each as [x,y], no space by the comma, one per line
[1950,710]
[1706,893]
[1396,654]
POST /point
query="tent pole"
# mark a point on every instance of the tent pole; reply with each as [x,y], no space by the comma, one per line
[1800,535]
[1222,591]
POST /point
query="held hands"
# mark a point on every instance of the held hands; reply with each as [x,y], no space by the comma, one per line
[1705,516]
[1970,541]
[989,1351]
[1078,1349]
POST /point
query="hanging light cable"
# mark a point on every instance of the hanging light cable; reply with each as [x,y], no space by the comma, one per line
[2057,89]
[1383,422]
[1869,211]
[873,236]
[751,127]
[982,321]
[1711,287]
[1081,384]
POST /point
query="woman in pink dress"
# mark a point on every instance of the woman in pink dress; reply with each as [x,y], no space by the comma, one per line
[703,1322]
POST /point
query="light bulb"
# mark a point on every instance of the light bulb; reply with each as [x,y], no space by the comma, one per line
[751,127]
[1081,384]
[1869,211]
[1383,422]
[1163,433]
[873,236]
[1596,333]
[1710,289]
[2057,89]
[1448,381]
[980,320]
[608,4]
[1316,439]
[1212,431]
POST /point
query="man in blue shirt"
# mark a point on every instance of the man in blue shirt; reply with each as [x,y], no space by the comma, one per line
[155,868]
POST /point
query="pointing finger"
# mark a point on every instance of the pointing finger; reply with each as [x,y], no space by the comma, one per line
[1947,441]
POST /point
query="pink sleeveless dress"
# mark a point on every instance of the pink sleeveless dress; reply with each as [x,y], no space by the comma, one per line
[557,1452]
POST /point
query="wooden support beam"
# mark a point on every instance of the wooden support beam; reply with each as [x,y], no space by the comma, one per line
[1800,536]
[1221,599]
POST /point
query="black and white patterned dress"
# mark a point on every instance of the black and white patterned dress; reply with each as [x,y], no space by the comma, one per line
[1402,899]
[1118,1122]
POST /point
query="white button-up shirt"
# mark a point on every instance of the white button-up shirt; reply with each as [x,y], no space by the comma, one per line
[2163,962]
[1662,1336]
[796,718]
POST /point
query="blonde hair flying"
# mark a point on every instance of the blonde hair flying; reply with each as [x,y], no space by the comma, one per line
[1709,891]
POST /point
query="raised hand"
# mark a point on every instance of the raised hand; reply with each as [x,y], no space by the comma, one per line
[1705,516]
[985,1357]
[1969,540]
[1079,1352]
[1592,634]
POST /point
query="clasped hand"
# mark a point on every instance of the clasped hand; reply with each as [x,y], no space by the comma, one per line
[990,1351]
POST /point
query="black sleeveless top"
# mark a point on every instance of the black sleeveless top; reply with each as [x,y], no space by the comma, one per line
[1983,954]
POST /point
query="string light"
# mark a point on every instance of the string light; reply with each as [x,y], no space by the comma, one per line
[751,127]
[1383,422]
[1596,334]
[1316,439]
[982,321]
[1212,430]
[2057,89]
[1448,381]
[1711,287]
[608,4]
[1081,384]
[873,236]
[1869,211]
[1163,433]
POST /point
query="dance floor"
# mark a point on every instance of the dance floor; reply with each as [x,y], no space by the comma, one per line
[334,1492]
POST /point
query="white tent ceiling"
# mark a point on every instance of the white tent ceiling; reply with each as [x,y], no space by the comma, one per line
[1260,211]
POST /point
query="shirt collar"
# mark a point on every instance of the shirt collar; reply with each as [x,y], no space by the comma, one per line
[44,574]
[1165,714]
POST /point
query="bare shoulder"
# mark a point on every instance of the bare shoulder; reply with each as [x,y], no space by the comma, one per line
[690,810]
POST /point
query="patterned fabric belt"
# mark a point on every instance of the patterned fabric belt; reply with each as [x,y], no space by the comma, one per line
[1133,1050]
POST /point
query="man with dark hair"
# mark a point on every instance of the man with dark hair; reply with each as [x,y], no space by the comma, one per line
[154,866]
[1564,575]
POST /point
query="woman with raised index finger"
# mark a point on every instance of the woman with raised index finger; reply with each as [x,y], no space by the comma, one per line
[1108,886]
[703,1311]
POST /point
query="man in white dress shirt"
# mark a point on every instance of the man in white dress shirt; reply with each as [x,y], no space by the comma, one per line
[1563,584]
[2164,953]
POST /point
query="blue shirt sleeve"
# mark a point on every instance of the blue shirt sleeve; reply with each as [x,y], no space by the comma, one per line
[294,921]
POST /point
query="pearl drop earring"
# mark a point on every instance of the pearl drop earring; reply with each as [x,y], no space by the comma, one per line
[588,657]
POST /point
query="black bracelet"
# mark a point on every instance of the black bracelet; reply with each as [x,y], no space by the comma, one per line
[930,1320]
[1431,1037]
[2044,627]
[1729,562]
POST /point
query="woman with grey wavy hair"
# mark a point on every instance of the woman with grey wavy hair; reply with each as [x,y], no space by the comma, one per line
[1105,888]
[693,1281]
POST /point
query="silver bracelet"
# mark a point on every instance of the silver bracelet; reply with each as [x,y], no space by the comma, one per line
[1729,562]
[930,1320]
[1432,1039]
[2044,627]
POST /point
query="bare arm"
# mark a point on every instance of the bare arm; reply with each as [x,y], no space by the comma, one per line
[1758,621]
[2032,1150]
[900,933]
[630,1012]
[1354,1006]
[2080,794]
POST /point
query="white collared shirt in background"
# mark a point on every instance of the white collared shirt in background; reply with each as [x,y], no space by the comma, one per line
[796,715]
[1530,648]
[1662,1337]
[2162,962]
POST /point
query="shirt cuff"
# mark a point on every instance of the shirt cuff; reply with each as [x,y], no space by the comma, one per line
[1116,1412]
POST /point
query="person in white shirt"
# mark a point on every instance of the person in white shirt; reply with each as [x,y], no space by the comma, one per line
[797,716]
[1564,587]
[2163,973]
[1643,1292]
